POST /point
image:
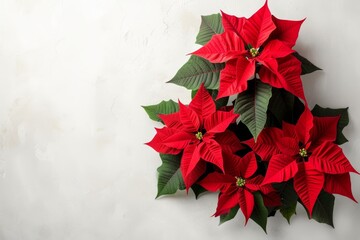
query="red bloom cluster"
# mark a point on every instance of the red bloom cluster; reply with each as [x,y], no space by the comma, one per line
[261,41]
[302,153]
[200,133]
[306,153]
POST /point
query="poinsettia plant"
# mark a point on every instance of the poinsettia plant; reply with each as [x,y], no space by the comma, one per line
[264,151]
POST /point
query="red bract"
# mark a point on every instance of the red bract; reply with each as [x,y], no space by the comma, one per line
[262,40]
[200,133]
[307,153]
[237,184]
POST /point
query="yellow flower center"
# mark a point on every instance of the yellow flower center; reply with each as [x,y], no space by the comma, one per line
[199,135]
[254,52]
[240,182]
[303,152]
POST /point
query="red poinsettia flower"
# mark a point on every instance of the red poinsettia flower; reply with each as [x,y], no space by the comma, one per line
[237,185]
[307,153]
[200,133]
[262,40]
[286,31]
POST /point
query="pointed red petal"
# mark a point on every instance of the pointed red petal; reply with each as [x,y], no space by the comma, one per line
[266,188]
[258,27]
[211,152]
[304,126]
[281,168]
[269,73]
[202,103]
[245,70]
[286,30]
[288,146]
[222,48]
[229,141]
[254,184]
[232,164]
[227,78]
[289,130]
[190,158]
[171,120]
[325,129]
[265,145]
[270,64]
[215,181]
[194,175]
[179,140]
[226,202]
[329,158]
[247,203]
[188,118]
[157,143]
[232,23]
[248,165]
[275,49]
[339,184]
[234,77]
[308,183]
[290,71]
[219,121]
[287,75]
[272,199]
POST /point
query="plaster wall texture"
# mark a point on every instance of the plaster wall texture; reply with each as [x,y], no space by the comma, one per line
[73,75]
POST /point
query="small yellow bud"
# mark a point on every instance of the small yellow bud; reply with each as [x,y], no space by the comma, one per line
[254,52]
[199,135]
[240,182]
[303,152]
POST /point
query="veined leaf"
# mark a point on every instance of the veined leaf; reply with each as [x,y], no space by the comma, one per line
[169,178]
[260,212]
[343,121]
[306,65]
[284,106]
[210,25]
[230,215]
[281,103]
[323,209]
[164,107]
[252,105]
[198,190]
[288,199]
[196,71]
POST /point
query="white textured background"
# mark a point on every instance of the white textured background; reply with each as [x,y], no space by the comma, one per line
[73,74]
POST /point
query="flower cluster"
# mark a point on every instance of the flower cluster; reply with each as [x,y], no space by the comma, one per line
[265,151]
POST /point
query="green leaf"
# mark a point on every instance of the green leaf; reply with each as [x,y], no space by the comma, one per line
[283,106]
[170,178]
[164,107]
[260,212]
[306,65]
[252,105]
[198,190]
[281,103]
[288,199]
[196,71]
[210,25]
[230,215]
[323,209]
[331,112]
[222,102]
